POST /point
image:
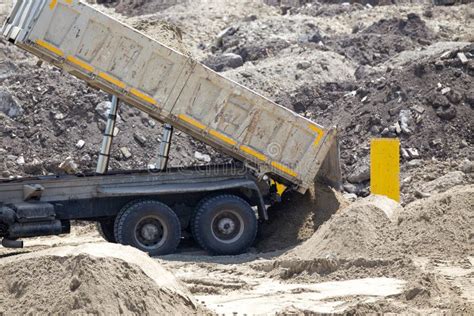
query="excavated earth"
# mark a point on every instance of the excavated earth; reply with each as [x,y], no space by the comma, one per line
[401,71]
[91,279]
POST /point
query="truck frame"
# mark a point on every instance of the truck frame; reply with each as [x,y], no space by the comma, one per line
[275,149]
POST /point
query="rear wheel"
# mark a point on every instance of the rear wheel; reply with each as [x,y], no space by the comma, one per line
[225,225]
[196,209]
[150,226]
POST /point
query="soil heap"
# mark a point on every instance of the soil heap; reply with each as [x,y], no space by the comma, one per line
[441,225]
[398,74]
[297,217]
[354,231]
[90,280]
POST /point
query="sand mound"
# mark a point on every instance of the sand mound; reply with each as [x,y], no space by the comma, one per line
[298,217]
[91,279]
[354,231]
[438,226]
[441,225]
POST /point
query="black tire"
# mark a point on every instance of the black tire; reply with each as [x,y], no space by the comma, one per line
[106,230]
[150,226]
[225,225]
[196,209]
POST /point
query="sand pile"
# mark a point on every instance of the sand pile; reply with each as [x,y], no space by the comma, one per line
[352,232]
[298,217]
[91,279]
[441,225]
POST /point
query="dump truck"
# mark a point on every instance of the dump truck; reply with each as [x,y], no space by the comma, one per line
[274,149]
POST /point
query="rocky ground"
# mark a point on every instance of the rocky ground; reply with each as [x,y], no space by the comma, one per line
[401,71]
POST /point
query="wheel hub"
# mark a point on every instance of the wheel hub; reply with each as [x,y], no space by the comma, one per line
[226,226]
[150,232]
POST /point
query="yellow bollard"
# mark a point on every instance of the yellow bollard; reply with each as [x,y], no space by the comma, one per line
[385,167]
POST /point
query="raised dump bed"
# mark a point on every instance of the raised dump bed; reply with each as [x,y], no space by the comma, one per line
[173,88]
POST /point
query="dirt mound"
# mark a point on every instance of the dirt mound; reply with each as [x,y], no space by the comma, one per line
[165,33]
[382,40]
[62,281]
[318,9]
[293,69]
[377,227]
[138,7]
[413,26]
[354,231]
[441,225]
[298,217]
[387,85]
[142,7]
[371,49]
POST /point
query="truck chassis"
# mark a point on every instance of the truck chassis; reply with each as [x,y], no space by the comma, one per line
[218,204]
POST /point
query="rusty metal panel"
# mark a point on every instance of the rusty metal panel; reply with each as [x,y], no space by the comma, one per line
[172,88]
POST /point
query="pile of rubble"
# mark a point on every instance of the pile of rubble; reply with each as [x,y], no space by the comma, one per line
[396,78]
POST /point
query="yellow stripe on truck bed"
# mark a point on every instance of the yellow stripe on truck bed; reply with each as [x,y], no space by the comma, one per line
[53,3]
[252,152]
[284,169]
[143,96]
[112,80]
[319,131]
[222,137]
[80,63]
[50,47]
[192,121]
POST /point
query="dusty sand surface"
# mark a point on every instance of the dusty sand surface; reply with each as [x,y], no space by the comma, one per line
[354,262]
[91,279]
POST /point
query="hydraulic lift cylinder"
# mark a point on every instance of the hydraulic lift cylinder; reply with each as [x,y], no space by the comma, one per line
[104,155]
[165,146]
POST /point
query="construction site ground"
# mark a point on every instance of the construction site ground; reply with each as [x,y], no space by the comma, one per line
[402,70]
